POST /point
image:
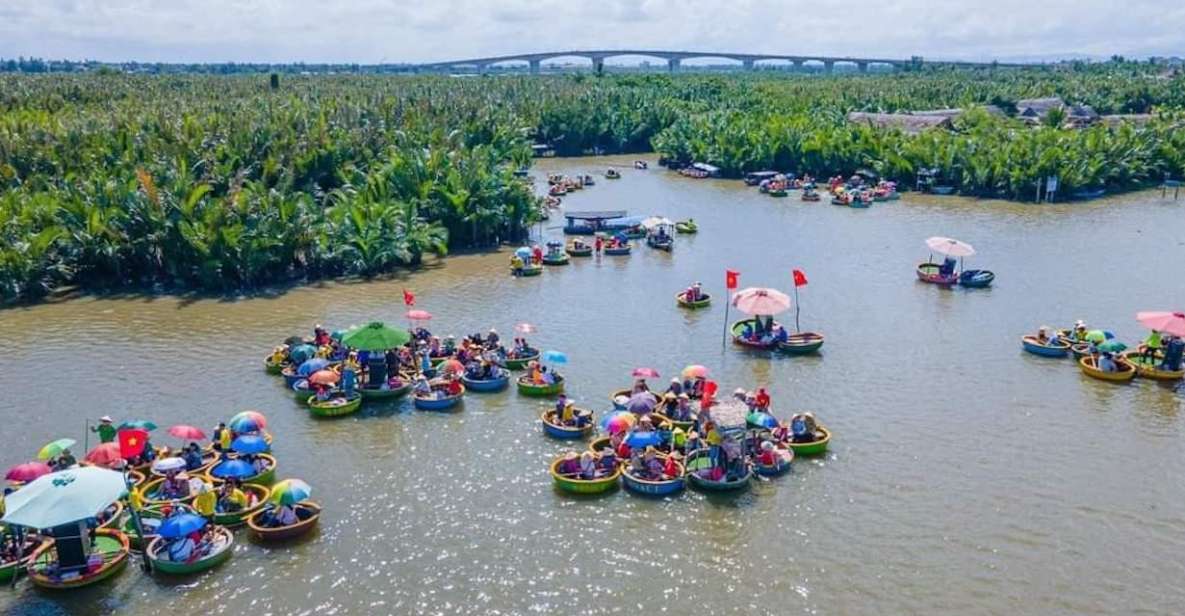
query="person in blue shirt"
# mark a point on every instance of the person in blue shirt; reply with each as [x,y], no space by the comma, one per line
[1107,363]
[1174,348]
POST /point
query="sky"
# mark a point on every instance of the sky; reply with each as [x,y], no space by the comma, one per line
[394,31]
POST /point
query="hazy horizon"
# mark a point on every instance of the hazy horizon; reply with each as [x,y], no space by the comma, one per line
[383,31]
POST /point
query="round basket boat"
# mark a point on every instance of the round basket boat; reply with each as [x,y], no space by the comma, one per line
[1045,349]
[109,517]
[149,494]
[801,343]
[599,443]
[976,278]
[560,259]
[266,478]
[703,302]
[385,394]
[661,417]
[626,393]
[257,496]
[584,486]
[519,363]
[150,518]
[531,270]
[785,459]
[437,404]
[618,251]
[736,330]
[708,485]
[554,429]
[585,251]
[816,447]
[308,513]
[336,406]
[272,367]
[929,272]
[10,569]
[646,487]
[527,388]
[486,385]
[221,548]
[209,458]
[302,392]
[1151,369]
[686,227]
[111,546]
[1090,368]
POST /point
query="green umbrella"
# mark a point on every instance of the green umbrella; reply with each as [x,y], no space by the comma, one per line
[1112,346]
[55,448]
[1095,335]
[375,337]
[138,424]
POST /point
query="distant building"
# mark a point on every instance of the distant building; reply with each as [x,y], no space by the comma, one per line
[1138,119]
[1037,108]
[956,112]
[904,122]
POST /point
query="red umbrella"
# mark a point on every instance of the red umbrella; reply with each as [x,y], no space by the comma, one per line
[525,328]
[28,471]
[1164,322]
[324,377]
[187,433]
[452,365]
[645,373]
[419,315]
[106,454]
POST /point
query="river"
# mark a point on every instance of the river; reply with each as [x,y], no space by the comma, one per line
[964,476]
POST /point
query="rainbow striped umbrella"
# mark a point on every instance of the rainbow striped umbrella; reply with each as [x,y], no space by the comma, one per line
[290,492]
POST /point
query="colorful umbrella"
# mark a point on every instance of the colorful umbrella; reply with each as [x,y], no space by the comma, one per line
[376,337]
[950,247]
[338,333]
[618,422]
[757,300]
[165,465]
[290,492]
[645,373]
[64,497]
[1112,346]
[232,469]
[452,365]
[324,377]
[249,443]
[107,454]
[1096,335]
[180,524]
[138,424]
[254,416]
[27,472]
[302,353]
[555,357]
[312,365]
[419,315]
[638,440]
[55,448]
[524,252]
[761,420]
[525,328]
[641,403]
[695,371]
[187,433]
[1166,322]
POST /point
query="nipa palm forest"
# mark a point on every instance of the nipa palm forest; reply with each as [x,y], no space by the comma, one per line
[229,183]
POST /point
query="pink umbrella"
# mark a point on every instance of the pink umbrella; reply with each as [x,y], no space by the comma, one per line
[1165,322]
[107,454]
[695,371]
[525,328]
[452,365]
[28,471]
[757,300]
[619,422]
[419,315]
[951,247]
[187,433]
[645,373]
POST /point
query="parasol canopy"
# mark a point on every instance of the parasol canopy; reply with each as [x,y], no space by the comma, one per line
[618,422]
[63,497]
[27,472]
[232,469]
[645,373]
[324,377]
[641,403]
[54,449]
[376,337]
[301,353]
[730,415]
[761,420]
[525,328]
[524,252]
[290,492]
[1112,346]
[138,424]
[1164,322]
[106,454]
[695,371]
[312,365]
[656,221]
[187,433]
[249,444]
[638,440]
[165,465]
[180,524]
[1097,336]
[452,365]
[419,315]
[247,421]
[555,357]
[761,301]
[950,247]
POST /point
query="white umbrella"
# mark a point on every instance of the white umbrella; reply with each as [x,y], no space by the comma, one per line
[949,246]
[165,465]
[63,497]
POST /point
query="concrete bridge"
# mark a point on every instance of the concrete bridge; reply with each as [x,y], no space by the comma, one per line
[674,60]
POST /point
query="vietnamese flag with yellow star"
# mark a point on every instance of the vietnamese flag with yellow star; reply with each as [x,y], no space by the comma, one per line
[131,443]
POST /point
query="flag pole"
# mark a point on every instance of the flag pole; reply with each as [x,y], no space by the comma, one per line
[147,564]
[724,336]
[797,309]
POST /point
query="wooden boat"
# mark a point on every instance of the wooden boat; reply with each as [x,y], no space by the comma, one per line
[657,243]
[557,259]
[801,343]
[840,201]
[552,428]
[272,367]
[619,250]
[661,416]
[860,203]
[736,330]
[811,196]
[646,487]
[628,393]
[640,164]
[530,270]
[584,486]
[527,388]
[149,494]
[519,363]
[816,447]
[597,444]
[437,404]
[222,547]
[257,496]
[336,406]
[309,513]
[785,458]
[612,174]
[1080,349]
[291,376]
[209,458]
[584,251]
[976,279]
[1090,368]
[1032,345]
[777,192]
[109,517]
[10,569]
[686,227]
[486,385]
[111,546]
[704,301]
[1152,370]
[928,272]
[369,393]
[709,485]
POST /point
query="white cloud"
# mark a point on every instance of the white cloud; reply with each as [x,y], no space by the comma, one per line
[368,31]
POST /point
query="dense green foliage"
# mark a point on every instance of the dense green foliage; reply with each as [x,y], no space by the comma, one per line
[226,182]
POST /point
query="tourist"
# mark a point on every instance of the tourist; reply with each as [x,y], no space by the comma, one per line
[947,269]
[1152,347]
[671,468]
[284,516]
[682,410]
[1079,332]
[105,429]
[675,388]
[192,456]
[1107,363]
[640,386]
[221,436]
[761,399]
[516,265]
[1174,348]
[492,339]
[588,466]
[536,254]
[206,502]
[180,549]
[747,331]
[349,380]
[768,456]
[230,497]
[66,460]
[800,432]
[607,461]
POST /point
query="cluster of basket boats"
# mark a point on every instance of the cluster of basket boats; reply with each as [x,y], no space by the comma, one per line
[133,524]
[1129,364]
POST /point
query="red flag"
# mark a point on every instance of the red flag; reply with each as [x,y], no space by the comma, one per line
[731,279]
[131,442]
[709,396]
[409,298]
[799,278]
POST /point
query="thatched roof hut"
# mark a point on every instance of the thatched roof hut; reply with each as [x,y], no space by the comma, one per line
[904,122]
[1038,107]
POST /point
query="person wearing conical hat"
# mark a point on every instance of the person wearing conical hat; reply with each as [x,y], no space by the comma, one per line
[105,429]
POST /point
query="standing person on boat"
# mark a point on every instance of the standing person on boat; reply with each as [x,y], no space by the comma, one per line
[947,269]
[105,429]
[598,244]
[1174,349]
[762,399]
[1151,347]
[349,380]
[536,255]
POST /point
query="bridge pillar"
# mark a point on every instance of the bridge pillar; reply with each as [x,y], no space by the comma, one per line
[673,64]
[598,65]
[747,64]
[862,67]
[829,66]
[798,64]
[536,65]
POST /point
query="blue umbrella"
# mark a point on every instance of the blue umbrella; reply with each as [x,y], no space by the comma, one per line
[233,469]
[250,443]
[180,525]
[524,252]
[761,420]
[301,353]
[311,366]
[639,440]
[555,357]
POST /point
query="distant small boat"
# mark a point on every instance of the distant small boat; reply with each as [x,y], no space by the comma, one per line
[1086,195]
[612,174]
[942,190]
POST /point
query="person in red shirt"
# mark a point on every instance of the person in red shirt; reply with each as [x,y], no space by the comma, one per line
[671,468]
[762,399]
[536,254]
[598,244]
[454,387]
